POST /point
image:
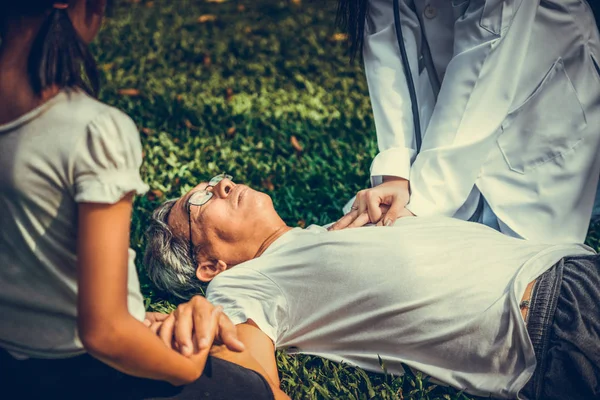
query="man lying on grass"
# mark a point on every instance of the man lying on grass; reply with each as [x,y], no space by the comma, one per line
[482,312]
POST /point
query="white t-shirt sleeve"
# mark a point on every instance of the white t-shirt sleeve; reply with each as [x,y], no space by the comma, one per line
[247,294]
[107,160]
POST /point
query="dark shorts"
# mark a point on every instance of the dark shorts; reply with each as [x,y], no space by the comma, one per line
[84,377]
[564,327]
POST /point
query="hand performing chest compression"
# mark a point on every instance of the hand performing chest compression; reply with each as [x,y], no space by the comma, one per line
[381,205]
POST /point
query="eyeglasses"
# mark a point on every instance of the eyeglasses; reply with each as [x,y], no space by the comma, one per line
[200,198]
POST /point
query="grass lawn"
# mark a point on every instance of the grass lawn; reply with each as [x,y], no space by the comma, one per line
[260,89]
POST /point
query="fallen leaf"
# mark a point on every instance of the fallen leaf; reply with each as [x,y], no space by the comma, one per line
[302,223]
[241,8]
[207,60]
[295,144]
[339,37]
[154,194]
[207,18]
[129,92]
[247,29]
[147,131]
[267,184]
[228,94]
[188,124]
[231,131]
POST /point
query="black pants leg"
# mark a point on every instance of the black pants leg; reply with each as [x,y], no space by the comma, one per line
[84,377]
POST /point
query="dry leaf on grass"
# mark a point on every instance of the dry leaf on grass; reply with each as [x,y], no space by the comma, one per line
[267,184]
[231,131]
[155,194]
[129,92]
[188,124]
[296,144]
[339,37]
[207,18]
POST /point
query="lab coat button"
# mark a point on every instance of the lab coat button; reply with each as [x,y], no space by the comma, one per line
[430,12]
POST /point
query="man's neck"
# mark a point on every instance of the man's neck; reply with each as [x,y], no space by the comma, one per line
[276,234]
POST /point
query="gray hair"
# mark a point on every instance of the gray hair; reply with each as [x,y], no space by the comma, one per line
[167,258]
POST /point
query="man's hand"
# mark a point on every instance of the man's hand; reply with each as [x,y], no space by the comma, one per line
[381,205]
[188,328]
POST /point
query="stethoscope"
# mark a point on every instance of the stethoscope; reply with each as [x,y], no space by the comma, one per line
[411,84]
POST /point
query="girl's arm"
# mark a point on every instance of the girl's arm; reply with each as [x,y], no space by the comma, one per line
[106,328]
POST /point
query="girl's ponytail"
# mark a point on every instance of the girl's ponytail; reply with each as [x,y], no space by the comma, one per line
[352,17]
[59,56]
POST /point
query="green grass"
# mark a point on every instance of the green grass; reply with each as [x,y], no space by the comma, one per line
[229,95]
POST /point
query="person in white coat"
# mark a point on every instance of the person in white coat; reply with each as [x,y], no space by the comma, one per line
[508,95]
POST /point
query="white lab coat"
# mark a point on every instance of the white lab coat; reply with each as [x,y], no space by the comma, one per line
[517,118]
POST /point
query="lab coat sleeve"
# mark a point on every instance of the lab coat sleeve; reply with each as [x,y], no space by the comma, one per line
[388,87]
[478,90]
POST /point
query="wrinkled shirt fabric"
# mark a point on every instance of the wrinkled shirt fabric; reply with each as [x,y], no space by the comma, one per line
[434,293]
[516,118]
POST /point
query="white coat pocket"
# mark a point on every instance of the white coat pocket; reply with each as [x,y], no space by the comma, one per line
[548,125]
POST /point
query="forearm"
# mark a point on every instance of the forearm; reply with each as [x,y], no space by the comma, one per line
[130,347]
[388,87]
[105,327]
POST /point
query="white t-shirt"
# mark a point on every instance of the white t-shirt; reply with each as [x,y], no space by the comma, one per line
[72,149]
[438,294]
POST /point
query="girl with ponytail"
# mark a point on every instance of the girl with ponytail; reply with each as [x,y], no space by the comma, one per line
[73,319]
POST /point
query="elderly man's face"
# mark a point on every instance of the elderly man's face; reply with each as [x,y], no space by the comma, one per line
[222,225]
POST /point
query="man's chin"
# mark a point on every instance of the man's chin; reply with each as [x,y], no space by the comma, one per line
[258,200]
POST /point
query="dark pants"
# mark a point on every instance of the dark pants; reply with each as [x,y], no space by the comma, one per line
[564,327]
[84,377]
